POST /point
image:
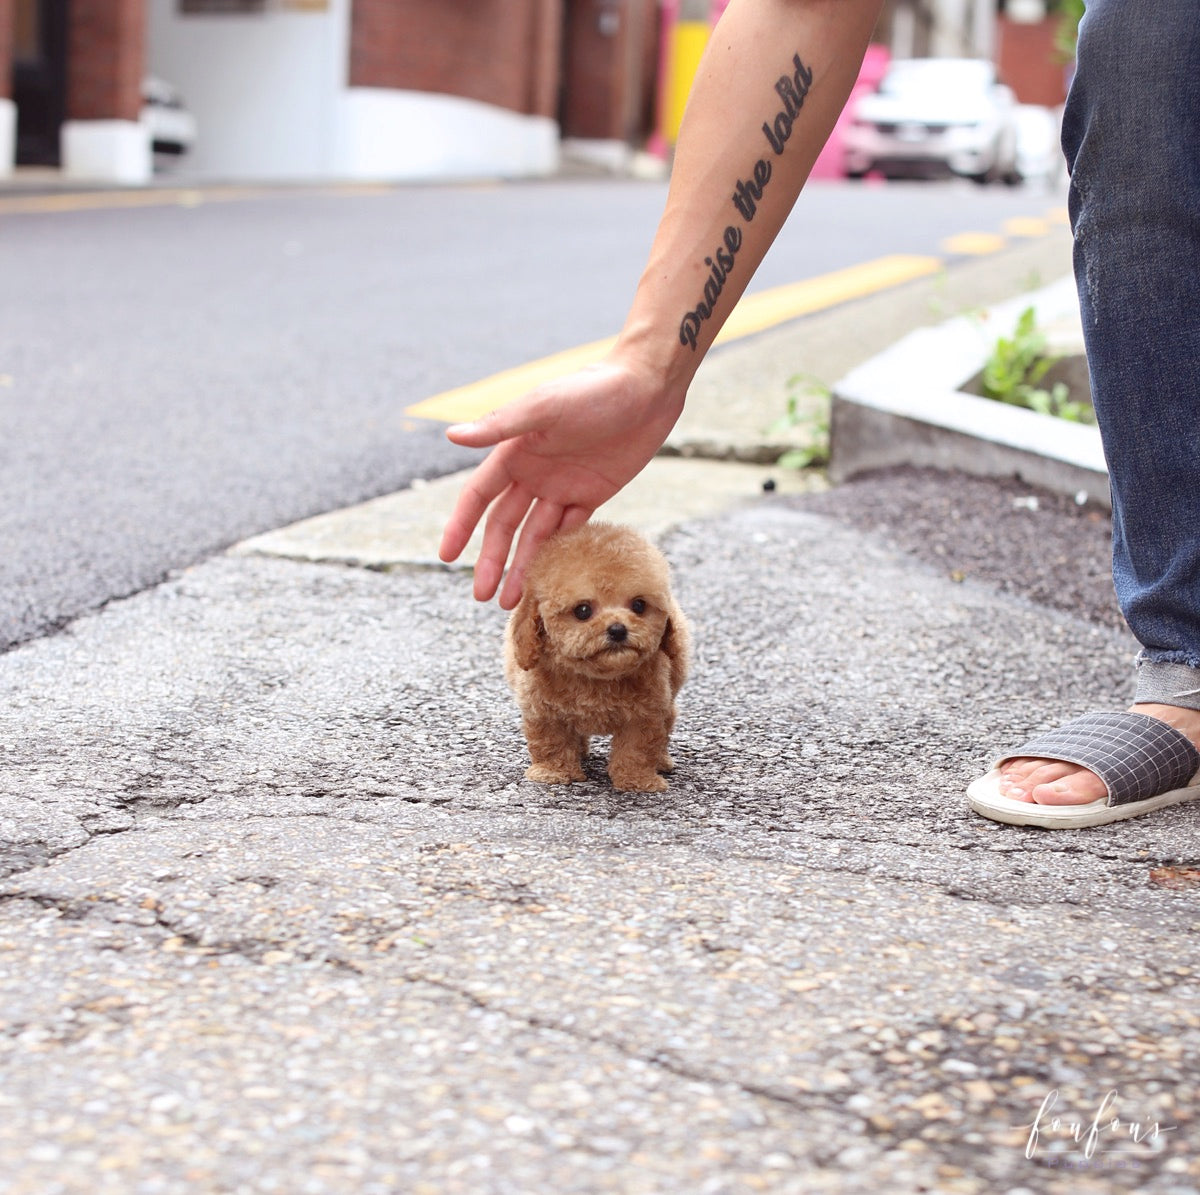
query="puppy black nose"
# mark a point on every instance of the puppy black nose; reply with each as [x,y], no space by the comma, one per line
[618,632]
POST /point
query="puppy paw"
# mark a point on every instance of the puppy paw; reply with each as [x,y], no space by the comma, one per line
[666,763]
[544,773]
[638,782]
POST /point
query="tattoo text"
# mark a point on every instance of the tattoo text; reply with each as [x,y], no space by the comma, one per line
[747,195]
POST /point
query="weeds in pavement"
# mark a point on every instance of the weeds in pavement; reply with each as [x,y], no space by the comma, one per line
[1017,366]
[815,454]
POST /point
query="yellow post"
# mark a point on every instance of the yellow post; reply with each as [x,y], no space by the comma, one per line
[689,37]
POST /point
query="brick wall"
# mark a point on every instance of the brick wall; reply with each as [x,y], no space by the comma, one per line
[7,19]
[545,58]
[503,52]
[1028,62]
[105,59]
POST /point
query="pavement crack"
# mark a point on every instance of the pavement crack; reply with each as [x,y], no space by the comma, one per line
[663,1060]
[69,909]
[18,858]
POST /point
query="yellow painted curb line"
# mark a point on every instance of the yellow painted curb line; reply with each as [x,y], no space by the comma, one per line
[1025,226]
[476,399]
[82,201]
[974,244]
[15,204]
[755,313]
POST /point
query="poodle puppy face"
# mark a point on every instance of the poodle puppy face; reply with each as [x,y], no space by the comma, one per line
[602,603]
[597,646]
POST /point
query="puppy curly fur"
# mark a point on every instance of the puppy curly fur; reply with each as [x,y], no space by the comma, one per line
[597,646]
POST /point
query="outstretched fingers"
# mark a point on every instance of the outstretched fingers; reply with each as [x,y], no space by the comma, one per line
[478,434]
[490,479]
[464,518]
[529,414]
[503,520]
[544,520]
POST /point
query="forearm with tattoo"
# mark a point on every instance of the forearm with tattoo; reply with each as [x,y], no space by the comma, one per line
[747,194]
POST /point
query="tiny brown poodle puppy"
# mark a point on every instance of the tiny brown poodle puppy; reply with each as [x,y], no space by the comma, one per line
[598,646]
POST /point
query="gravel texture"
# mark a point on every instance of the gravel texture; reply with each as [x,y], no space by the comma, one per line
[1020,539]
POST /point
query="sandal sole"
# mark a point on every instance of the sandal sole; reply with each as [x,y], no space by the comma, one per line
[984,797]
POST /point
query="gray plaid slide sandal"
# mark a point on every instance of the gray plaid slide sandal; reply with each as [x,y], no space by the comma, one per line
[1144,763]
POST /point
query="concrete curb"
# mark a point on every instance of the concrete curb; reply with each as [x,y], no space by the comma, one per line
[403,529]
[906,406]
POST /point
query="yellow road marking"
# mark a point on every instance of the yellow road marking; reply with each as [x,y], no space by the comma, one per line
[1025,226]
[755,313]
[82,201]
[770,307]
[478,398]
[973,244]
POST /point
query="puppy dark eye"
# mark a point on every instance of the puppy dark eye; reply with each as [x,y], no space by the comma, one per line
[583,611]
[638,606]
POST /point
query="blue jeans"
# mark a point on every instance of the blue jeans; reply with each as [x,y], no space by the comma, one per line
[1131,134]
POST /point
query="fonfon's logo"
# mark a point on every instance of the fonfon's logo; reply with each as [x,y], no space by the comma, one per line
[1105,1132]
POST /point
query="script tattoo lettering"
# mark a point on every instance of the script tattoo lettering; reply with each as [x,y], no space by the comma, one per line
[792,91]
[749,191]
[747,195]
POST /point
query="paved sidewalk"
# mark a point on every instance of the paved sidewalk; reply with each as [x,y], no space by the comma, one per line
[282,913]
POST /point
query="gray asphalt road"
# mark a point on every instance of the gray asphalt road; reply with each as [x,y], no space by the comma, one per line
[175,378]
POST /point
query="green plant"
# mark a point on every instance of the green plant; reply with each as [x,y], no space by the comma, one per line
[1066,33]
[815,454]
[1016,367]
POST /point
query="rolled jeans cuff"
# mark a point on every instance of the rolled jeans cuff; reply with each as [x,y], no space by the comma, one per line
[1167,684]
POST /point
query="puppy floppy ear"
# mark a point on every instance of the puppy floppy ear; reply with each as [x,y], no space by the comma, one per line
[527,632]
[675,646]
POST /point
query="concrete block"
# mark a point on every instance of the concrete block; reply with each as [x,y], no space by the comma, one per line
[906,407]
[107,151]
[8,136]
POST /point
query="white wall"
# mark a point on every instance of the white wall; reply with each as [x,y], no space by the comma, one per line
[264,88]
[410,135]
[271,98]
[8,136]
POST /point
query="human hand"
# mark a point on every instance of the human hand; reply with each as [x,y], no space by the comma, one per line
[560,452]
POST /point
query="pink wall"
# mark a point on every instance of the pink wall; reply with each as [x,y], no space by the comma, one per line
[832,160]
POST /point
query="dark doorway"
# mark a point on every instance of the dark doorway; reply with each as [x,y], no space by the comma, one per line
[609,69]
[40,79]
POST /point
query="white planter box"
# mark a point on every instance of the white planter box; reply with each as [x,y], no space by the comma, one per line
[906,407]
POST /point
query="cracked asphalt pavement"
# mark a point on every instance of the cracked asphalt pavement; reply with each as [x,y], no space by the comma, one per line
[282,914]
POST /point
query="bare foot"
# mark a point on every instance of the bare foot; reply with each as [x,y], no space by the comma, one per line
[1052,782]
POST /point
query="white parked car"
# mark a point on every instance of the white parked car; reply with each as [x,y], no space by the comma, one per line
[172,127]
[1039,154]
[935,116]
